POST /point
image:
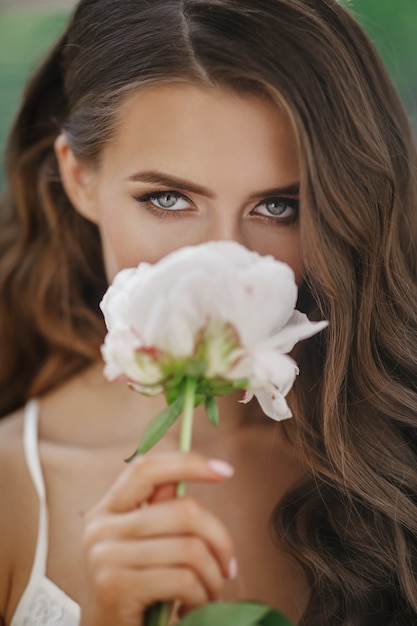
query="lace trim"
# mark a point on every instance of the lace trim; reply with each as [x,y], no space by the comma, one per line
[44,611]
[48,606]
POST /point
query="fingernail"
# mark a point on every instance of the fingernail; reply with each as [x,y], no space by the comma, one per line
[232,569]
[221,467]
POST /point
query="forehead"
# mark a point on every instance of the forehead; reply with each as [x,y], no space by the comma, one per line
[181,126]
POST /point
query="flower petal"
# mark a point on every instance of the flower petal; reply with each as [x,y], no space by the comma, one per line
[218,310]
[298,327]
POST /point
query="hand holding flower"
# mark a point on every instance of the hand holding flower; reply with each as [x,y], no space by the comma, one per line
[144,546]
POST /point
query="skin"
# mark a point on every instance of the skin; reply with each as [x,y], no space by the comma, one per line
[109,552]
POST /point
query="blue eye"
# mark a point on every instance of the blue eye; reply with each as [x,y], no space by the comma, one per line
[165,201]
[278,208]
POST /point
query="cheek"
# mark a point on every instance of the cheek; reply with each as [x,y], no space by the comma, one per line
[294,259]
[124,248]
[283,244]
[125,235]
[128,242]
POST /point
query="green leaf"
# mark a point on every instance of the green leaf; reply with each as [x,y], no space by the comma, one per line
[212,410]
[242,383]
[175,381]
[159,425]
[216,387]
[239,614]
[172,394]
[198,399]
[195,368]
[273,618]
[235,614]
[220,386]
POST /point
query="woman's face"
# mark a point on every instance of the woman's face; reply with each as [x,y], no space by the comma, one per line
[187,165]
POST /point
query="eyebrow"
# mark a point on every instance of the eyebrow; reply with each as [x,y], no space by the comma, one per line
[160,178]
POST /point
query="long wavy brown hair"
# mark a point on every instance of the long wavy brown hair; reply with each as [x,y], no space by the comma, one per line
[352,524]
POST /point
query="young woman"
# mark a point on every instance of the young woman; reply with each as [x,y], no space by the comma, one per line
[153,125]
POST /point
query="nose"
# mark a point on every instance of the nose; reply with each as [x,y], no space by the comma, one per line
[224,226]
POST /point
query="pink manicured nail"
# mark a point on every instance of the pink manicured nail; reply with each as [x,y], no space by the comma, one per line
[221,467]
[232,569]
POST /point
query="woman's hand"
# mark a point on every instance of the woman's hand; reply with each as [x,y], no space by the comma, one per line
[143,545]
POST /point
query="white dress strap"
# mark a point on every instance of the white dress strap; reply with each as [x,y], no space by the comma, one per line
[31,450]
[42,602]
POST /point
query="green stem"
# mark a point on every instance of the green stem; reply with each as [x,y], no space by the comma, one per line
[187,425]
[158,614]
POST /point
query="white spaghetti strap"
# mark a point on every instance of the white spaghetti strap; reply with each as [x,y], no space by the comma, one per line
[31,450]
[42,603]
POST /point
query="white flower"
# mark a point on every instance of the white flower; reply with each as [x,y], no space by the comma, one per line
[215,311]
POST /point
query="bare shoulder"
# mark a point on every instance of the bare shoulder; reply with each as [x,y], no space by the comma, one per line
[17,504]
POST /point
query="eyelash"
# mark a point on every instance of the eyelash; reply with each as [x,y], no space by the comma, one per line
[160,212]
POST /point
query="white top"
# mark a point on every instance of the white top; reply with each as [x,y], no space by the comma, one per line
[42,602]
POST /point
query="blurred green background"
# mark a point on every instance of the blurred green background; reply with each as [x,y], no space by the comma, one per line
[27,29]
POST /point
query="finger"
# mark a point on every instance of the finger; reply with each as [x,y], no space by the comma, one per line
[139,481]
[183,516]
[162,493]
[183,552]
[118,590]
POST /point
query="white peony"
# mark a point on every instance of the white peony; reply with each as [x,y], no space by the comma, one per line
[215,311]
